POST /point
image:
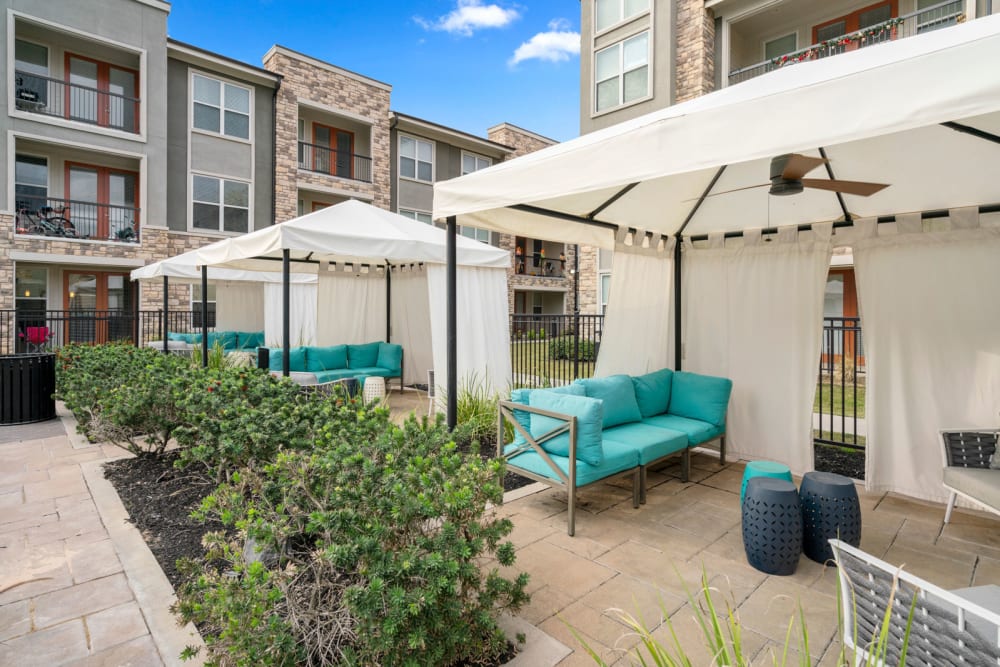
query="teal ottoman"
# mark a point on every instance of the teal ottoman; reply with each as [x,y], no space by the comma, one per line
[763,469]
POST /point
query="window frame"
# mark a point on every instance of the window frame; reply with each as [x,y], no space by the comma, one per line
[104,68]
[620,46]
[48,175]
[212,302]
[477,157]
[852,20]
[221,133]
[103,203]
[622,19]
[221,230]
[48,55]
[765,42]
[414,213]
[416,159]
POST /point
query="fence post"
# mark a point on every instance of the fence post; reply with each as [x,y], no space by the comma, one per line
[576,312]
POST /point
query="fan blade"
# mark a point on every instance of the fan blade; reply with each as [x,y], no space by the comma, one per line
[859,188]
[726,192]
[800,165]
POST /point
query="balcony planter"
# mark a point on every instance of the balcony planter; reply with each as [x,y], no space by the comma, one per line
[27,382]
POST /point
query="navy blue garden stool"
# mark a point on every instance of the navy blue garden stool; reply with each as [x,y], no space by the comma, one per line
[830,508]
[772,525]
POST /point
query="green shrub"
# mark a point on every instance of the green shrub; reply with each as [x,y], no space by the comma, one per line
[562,348]
[374,541]
[120,393]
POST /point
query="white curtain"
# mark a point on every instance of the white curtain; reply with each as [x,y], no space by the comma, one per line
[302,315]
[350,307]
[930,312]
[637,336]
[411,322]
[483,326]
[239,306]
[754,314]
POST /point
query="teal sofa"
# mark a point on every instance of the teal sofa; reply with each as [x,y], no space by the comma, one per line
[597,428]
[231,341]
[336,362]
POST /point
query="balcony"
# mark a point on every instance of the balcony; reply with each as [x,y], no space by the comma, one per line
[332,162]
[52,97]
[72,219]
[932,18]
[540,259]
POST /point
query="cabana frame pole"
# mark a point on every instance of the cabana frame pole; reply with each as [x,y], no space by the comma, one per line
[204,316]
[452,324]
[166,311]
[388,302]
[840,197]
[286,324]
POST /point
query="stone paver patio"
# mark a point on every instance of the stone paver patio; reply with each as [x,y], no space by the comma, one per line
[65,597]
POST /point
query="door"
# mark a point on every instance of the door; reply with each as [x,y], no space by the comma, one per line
[103,201]
[82,102]
[83,191]
[321,148]
[102,93]
[97,305]
[865,17]
[333,151]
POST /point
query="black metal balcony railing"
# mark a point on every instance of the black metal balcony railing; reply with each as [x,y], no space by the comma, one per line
[45,216]
[325,160]
[552,350]
[539,266]
[932,18]
[53,97]
[46,330]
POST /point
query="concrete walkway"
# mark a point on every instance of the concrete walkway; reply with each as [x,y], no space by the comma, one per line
[64,594]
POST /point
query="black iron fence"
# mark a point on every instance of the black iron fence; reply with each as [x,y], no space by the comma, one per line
[25,331]
[326,160]
[550,350]
[931,18]
[53,97]
[839,409]
[72,218]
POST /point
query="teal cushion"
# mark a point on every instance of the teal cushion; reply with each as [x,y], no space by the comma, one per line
[588,412]
[696,430]
[227,339]
[378,371]
[618,395]
[651,442]
[701,397]
[250,340]
[390,357]
[192,338]
[617,458]
[297,359]
[652,392]
[329,358]
[360,356]
[523,396]
[330,376]
[173,335]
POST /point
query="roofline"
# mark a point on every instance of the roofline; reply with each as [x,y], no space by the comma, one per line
[198,52]
[420,122]
[322,64]
[547,140]
[156,4]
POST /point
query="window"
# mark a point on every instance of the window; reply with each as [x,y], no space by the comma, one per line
[416,159]
[219,204]
[863,18]
[609,12]
[780,46]
[604,258]
[472,162]
[418,215]
[31,182]
[621,72]
[196,306]
[481,235]
[221,107]
[31,62]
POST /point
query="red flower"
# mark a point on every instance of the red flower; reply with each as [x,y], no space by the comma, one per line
[211,389]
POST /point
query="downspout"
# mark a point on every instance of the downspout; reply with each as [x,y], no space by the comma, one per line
[274,152]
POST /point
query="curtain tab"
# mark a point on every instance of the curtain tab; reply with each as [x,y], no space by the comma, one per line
[909,223]
[789,234]
[717,240]
[751,237]
[966,217]
[867,228]
[823,231]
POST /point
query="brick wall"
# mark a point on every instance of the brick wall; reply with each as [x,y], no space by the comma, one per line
[695,55]
[304,80]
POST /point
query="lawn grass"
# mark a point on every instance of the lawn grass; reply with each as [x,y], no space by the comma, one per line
[845,438]
[844,399]
[531,358]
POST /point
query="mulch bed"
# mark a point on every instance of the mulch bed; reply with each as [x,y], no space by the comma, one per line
[841,460]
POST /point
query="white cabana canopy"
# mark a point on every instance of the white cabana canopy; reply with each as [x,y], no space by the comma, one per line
[669,190]
[337,257]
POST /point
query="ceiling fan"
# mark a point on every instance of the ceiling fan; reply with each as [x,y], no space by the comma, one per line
[787,173]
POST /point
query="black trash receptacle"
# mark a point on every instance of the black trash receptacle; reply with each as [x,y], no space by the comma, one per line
[27,382]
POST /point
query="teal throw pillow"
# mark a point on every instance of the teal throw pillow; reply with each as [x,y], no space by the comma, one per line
[589,414]
[362,356]
[297,359]
[618,395]
[701,397]
[390,356]
[652,392]
[523,396]
[173,335]
[250,340]
[331,358]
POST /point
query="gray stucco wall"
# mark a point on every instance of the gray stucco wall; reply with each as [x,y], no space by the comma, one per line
[177,119]
[137,25]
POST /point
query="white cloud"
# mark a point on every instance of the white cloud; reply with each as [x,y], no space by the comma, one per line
[559,43]
[469,16]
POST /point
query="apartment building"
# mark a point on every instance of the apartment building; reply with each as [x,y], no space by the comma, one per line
[638,56]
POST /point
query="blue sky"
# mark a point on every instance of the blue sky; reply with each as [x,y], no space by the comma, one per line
[467,64]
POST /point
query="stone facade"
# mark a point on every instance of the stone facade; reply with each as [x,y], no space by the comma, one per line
[522,141]
[694,74]
[326,87]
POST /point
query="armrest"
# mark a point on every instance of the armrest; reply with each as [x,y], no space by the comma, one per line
[969,448]
[506,410]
